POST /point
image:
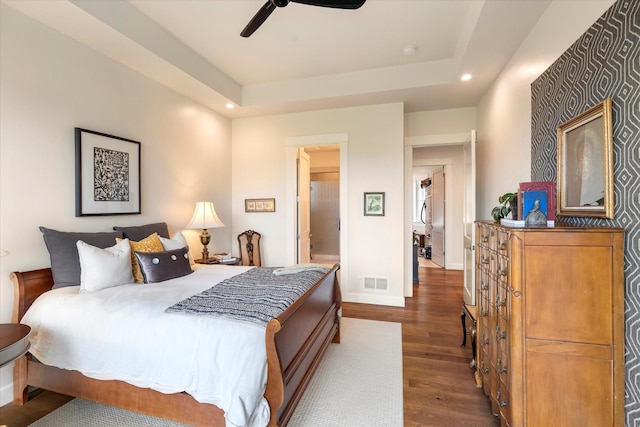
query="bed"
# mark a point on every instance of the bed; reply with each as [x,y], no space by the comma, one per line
[293,343]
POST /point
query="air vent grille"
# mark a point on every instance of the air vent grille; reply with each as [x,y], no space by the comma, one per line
[376,283]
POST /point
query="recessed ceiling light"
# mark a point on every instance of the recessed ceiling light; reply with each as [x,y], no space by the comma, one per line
[230,106]
[409,50]
[465,77]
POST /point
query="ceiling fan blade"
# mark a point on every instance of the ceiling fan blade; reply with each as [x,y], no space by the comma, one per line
[338,4]
[258,19]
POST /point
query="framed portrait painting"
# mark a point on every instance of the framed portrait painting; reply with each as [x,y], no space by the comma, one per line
[549,187]
[585,164]
[107,174]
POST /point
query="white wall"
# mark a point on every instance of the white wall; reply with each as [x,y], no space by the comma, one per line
[504,114]
[374,163]
[50,84]
[440,122]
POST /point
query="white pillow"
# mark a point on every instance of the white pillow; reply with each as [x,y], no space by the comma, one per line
[178,241]
[104,268]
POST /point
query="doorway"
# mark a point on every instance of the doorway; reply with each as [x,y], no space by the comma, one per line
[292,145]
[319,233]
[448,229]
[447,150]
[325,216]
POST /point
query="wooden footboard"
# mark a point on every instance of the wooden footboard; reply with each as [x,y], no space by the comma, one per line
[295,342]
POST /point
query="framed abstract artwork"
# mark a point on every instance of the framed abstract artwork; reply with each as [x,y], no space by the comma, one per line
[107,174]
[585,164]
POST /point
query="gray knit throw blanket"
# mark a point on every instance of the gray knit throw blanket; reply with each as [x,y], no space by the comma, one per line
[256,296]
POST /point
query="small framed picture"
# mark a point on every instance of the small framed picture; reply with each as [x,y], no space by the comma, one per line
[107,174]
[535,207]
[549,187]
[259,205]
[374,204]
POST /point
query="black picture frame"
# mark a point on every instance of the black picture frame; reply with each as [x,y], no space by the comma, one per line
[107,174]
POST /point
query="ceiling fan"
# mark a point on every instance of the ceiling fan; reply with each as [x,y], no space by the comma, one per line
[271,5]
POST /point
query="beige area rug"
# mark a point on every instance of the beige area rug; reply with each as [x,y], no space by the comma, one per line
[423,262]
[358,383]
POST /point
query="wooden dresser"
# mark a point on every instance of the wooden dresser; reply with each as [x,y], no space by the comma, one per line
[551,324]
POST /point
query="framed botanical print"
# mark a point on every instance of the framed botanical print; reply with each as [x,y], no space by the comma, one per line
[374,204]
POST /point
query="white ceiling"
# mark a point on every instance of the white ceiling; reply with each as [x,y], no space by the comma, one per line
[303,57]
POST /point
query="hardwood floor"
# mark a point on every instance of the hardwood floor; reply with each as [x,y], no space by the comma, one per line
[439,387]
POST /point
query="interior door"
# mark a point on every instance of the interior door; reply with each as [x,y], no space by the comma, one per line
[469,213]
[304,207]
[437,216]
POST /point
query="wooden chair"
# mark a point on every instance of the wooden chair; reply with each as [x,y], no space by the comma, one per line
[249,242]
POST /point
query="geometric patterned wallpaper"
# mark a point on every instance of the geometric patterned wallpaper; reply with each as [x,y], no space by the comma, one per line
[603,63]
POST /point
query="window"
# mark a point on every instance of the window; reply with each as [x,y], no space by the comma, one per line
[419,193]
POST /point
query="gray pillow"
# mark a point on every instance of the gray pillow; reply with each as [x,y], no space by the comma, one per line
[165,265]
[139,232]
[65,262]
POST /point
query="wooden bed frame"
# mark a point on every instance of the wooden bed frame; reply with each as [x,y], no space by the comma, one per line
[295,342]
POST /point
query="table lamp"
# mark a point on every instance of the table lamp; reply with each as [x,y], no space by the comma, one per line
[205,217]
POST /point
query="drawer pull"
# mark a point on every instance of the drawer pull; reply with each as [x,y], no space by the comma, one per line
[500,334]
[501,369]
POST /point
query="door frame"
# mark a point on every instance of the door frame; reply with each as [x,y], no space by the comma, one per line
[291,206]
[411,142]
[303,254]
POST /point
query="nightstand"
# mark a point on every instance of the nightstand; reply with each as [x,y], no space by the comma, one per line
[213,261]
[13,341]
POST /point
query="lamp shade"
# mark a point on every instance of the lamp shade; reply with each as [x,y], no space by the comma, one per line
[205,216]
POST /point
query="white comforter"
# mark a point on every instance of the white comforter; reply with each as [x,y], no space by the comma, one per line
[124,333]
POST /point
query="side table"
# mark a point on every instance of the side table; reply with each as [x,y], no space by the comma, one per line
[470,311]
[13,341]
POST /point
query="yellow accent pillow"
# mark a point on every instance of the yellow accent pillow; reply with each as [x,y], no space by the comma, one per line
[149,244]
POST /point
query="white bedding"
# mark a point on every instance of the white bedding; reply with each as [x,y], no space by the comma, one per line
[124,333]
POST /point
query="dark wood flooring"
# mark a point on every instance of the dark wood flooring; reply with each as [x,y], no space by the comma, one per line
[439,387]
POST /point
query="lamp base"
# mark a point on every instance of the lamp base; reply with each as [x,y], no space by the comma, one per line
[205,238]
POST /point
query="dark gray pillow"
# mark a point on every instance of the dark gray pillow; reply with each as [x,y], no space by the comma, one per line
[165,265]
[139,232]
[65,262]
